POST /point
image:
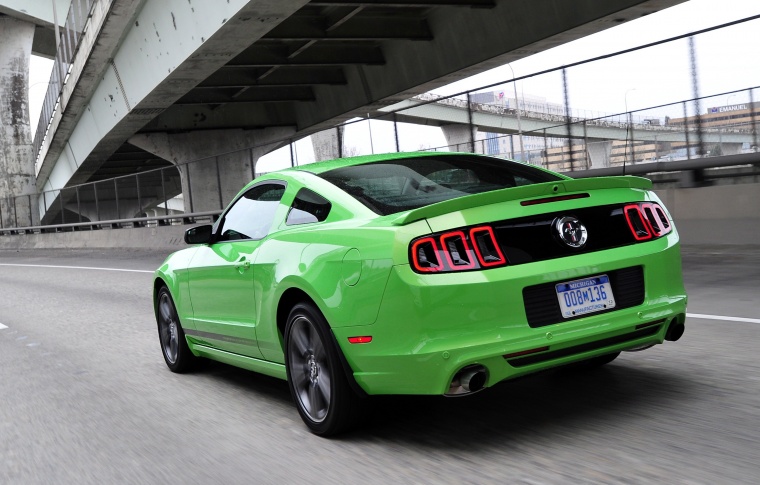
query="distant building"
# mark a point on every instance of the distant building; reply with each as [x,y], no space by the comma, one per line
[736,116]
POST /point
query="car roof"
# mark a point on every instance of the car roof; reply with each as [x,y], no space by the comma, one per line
[321,167]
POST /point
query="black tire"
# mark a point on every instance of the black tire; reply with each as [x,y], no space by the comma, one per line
[174,347]
[317,382]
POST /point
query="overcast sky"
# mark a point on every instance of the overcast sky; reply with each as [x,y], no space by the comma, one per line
[727,60]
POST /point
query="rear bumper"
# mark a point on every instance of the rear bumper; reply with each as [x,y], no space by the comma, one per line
[431,326]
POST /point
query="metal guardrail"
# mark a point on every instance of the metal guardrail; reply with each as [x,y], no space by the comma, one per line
[167,220]
[668,167]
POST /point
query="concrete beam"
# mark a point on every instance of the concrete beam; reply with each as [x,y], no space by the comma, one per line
[494,36]
[167,49]
[39,13]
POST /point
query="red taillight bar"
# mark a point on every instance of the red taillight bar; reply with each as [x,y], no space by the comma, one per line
[637,222]
[469,261]
[433,268]
[489,233]
[647,220]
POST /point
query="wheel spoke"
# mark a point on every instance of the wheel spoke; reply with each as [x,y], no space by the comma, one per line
[173,344]
[315,402]
[318,347]
[324,385]
[300,339]
[300,371]
[165,309]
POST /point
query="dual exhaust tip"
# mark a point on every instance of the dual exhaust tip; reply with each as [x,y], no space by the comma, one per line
[472,378]
[468,380]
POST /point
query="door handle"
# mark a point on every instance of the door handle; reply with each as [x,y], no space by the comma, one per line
[243,264]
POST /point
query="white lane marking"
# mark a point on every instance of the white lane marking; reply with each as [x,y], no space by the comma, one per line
[76,267]
[3,327]
[719,317]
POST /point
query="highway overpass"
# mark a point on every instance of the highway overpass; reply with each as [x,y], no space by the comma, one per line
[158,82]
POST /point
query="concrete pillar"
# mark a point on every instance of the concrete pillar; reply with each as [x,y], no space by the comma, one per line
[327,144]
[599,153]
[18,183]
[730,148]
[222,160]
[459,139]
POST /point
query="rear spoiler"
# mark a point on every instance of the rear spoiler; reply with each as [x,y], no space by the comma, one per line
[546,189]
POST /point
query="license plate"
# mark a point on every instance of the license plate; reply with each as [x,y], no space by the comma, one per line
[587,295]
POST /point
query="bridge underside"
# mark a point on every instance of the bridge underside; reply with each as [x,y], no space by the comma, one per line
[299,66]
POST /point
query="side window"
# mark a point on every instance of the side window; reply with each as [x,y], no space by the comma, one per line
[308,207]
[251,216]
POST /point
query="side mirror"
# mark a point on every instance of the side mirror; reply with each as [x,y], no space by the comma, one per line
[199,234]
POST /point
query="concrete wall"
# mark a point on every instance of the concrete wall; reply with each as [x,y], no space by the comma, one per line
[722,214]
[161,237]
[726,215]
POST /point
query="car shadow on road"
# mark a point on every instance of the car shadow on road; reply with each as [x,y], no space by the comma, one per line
[546,404]
[551,403]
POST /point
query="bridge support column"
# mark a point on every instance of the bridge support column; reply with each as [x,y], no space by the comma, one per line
[222,160]
[328,144]
[17,177]
[459,139]
[599,153]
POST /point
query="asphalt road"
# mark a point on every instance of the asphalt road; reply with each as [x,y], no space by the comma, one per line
[85,397]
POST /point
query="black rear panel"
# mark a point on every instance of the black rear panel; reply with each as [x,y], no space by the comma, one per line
[530,239]
[542,307]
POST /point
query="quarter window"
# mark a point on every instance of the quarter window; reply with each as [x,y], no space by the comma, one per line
[308,207]
[251,216]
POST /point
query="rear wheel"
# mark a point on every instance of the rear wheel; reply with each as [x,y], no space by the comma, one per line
[171,336]
[319,387]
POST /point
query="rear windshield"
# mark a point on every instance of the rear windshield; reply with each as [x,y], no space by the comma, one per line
[399,185]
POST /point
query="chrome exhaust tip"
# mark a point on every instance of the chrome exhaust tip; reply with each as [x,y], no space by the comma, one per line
[468,380]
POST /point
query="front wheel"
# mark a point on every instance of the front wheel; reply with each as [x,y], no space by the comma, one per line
[319,387]
[171,336]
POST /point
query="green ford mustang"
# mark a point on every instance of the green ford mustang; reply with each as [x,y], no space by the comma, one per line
[420,273]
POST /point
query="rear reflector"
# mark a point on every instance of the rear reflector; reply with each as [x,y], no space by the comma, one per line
[360,340]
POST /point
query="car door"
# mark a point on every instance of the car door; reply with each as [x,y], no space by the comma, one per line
[221,274]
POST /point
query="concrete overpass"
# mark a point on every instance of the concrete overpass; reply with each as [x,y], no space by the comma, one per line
[154,82]
[452,115]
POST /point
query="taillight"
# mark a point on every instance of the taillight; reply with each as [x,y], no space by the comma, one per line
[647,220]
[488,251]
[426,256]
[458,250]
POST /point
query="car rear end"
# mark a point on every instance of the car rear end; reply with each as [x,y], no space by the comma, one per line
[513,281]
